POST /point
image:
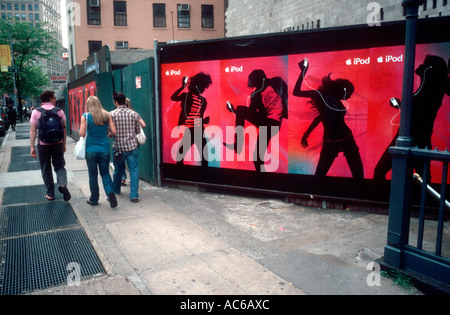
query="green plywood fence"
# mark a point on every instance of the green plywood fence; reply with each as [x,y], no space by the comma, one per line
[138,86]
[136,81]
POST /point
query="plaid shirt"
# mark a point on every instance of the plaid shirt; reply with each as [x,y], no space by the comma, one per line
[128,126]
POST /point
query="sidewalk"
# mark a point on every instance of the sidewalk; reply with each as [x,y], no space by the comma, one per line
[179,241]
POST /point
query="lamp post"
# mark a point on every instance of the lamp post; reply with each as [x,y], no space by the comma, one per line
[411,8]
[14,79]
[402,170]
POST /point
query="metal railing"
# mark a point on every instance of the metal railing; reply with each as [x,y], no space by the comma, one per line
[399,252]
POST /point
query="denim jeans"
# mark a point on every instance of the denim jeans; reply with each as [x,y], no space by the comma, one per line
[98,161]
[52,155]
[132,158]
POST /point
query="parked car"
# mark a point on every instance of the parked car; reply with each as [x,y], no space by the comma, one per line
[2,122]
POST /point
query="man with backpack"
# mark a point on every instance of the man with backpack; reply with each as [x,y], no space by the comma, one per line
[49,122]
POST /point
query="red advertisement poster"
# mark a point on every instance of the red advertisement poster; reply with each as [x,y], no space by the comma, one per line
[323,113]
[77,101]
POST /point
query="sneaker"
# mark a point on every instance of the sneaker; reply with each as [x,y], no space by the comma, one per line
[135,200]
[65,192]
[112,200]
[92,203]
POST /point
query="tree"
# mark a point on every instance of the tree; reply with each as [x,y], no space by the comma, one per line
[28,43]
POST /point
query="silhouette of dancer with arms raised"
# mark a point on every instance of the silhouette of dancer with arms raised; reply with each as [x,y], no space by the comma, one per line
[327,100]
[426,101]
[193,106]
[268,107]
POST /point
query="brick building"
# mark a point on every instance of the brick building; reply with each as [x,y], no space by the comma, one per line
[249,17]
[135,24]
[46,13]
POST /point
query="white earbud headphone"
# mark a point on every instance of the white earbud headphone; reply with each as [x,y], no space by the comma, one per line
[423,82]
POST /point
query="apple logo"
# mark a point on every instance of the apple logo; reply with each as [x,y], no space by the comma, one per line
[380,59]
[167,72]
[227,69]
[348,62]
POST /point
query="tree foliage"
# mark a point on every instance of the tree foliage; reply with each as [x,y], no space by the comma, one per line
[28,42]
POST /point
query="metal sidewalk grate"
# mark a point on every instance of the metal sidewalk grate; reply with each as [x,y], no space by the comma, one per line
[21,160]
[23,128]
[42,244]
[27,194]
[22,135]
[33,218]
[41,261]
[20,150]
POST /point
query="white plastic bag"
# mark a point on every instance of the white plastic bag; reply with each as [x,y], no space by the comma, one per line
[141,137]
[80,149]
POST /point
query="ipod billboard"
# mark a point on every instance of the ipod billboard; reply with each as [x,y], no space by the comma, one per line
[303,113]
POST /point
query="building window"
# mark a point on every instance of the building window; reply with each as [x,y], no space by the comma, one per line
[121,44]
[184,15]
[94,46]
[120,13]
[207,16]
[93,14]
[159,15]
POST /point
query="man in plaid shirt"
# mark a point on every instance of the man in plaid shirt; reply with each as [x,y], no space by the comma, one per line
[125,145]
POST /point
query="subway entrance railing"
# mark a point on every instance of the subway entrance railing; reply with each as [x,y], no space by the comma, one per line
[429,255]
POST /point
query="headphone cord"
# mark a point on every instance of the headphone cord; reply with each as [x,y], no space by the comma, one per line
[323,99]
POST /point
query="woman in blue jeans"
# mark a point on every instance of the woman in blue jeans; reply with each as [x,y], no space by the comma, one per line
[95,123]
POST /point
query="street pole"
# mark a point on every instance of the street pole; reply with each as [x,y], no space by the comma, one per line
[14,74]
[412,8]
[402,170]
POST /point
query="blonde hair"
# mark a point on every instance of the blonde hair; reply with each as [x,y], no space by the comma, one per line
[128,103]
[99,115]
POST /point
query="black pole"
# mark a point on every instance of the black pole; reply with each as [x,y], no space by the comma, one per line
[411,8]
[402,170]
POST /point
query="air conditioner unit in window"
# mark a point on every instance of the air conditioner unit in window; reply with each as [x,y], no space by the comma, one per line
[94,3]
[185,7]
[122,44]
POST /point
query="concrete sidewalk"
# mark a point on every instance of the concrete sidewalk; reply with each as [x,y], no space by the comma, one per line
[178,241]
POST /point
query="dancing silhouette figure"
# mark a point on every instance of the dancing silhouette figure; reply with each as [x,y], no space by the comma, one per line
[268,107]
[426,101]
[327,100]
[193,106]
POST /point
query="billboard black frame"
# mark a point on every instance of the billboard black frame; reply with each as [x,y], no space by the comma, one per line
[430,30]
